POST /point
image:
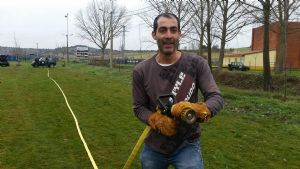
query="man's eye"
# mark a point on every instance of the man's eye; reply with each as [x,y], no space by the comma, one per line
[173,30]
[162,30]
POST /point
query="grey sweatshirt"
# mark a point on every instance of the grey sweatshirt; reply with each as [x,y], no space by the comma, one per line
[182,79]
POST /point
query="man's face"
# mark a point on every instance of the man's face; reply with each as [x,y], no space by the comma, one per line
[167,35]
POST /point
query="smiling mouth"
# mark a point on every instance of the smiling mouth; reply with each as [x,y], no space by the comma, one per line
[168,44]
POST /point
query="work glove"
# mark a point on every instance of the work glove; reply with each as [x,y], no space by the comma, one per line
[162,123]
[200,108]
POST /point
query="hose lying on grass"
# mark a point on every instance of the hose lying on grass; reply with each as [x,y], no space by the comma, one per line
[77,125]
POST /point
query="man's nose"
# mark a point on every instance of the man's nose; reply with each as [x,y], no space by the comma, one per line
[169,34]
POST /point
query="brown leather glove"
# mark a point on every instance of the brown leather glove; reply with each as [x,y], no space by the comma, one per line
[163,124]
[200,108]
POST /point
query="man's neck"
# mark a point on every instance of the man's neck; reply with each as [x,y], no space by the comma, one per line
[168,59]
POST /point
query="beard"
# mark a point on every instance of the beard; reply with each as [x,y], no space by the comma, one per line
[168,46]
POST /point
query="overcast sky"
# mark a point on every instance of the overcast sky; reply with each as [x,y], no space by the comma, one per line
[43,22]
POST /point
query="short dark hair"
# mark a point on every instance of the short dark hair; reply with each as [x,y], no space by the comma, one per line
[166,15]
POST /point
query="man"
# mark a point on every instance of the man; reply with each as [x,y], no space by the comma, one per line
[172,141]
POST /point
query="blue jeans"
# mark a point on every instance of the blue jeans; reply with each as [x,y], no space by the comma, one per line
[187,156]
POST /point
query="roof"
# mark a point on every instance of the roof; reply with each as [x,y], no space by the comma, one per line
[296,24]
[242,54]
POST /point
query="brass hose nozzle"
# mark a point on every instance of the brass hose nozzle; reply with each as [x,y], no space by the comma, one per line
[189,116]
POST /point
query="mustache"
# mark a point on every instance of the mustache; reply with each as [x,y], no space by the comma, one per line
[169,41]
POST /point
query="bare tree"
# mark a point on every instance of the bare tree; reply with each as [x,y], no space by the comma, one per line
[210,10]
[94,23]
[282,11]
[262,12]
[180,8]
[17,51]
[203,13]
[198,23]
[231,18]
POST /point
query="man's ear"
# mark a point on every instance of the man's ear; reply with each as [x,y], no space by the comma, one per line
[154,35]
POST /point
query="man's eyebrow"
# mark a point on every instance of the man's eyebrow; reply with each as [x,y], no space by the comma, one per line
[171,27]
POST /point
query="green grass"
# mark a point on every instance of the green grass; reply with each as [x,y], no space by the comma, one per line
[289,72]
[254,130]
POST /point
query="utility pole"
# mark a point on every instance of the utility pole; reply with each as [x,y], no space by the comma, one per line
[67,35]
[111,35]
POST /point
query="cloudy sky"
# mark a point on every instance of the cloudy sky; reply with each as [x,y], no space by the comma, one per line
[43,22]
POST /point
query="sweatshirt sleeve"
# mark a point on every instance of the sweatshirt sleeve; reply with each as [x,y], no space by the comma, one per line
[140,98]
[209,88]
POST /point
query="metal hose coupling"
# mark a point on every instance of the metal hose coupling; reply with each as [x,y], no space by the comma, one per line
[189,116]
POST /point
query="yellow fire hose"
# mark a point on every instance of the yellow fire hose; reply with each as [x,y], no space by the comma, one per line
[136,148]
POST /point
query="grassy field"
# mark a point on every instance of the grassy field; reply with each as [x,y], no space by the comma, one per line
[254,130]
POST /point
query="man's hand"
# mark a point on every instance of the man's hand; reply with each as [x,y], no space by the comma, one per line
[202,112]
[163,124]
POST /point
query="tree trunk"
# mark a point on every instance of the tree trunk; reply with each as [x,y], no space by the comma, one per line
[222,52]
[266,57]
[281,45]
[281,51]
[208,34]
[223,40]
[202,29]
[209,46]
[201,43]
[102,54]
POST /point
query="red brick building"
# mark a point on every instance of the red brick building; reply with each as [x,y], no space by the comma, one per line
[293,41]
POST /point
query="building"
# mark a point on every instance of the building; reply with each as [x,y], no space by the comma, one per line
[293,41]
[82,51]
[254,59]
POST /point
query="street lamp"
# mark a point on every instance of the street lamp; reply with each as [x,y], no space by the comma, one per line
[67,16]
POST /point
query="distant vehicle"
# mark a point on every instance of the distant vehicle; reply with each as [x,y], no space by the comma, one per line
[237,66]
[42,61]
[3,61]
